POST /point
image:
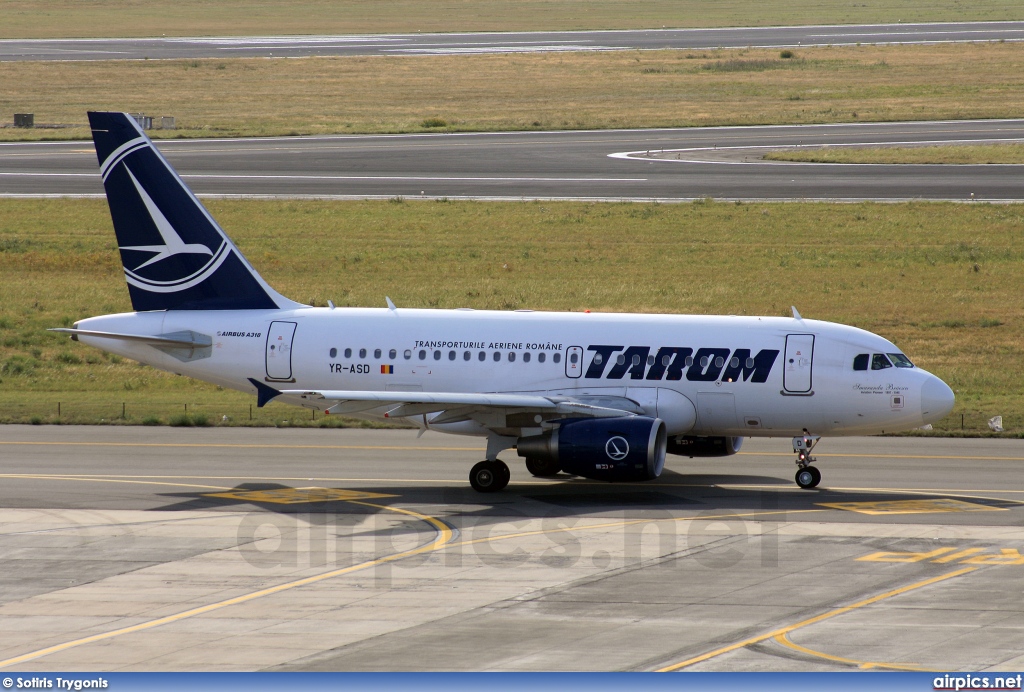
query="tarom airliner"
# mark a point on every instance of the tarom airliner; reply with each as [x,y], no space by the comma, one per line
[602,396]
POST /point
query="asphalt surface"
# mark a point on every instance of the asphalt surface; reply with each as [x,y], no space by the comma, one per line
[502,42]
[249,549]
[667,164]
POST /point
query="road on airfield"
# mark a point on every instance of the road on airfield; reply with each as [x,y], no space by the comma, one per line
[133,548]
[656,164]
[503,42]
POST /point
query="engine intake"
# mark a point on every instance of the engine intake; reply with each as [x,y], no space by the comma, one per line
[631,448]
[693,446]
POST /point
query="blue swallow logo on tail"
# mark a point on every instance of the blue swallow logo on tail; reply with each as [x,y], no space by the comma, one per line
[174,254]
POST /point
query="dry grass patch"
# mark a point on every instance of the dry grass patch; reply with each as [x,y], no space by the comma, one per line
[941,280]
[515,92]
[34,19]
[947,154]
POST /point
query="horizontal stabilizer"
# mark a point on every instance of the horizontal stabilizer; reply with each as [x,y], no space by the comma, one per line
[176,340]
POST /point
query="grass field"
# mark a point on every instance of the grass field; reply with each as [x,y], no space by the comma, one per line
[33,19]
[942,280]
[514,92]
[952,154]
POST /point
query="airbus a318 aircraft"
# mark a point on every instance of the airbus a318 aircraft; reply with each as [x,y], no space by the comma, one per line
[603,396]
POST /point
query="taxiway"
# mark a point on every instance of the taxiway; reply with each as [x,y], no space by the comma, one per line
[242,549]
[502,42]
[657,164]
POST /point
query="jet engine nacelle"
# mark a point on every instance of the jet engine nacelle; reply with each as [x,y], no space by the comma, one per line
[606,449]
[694,446]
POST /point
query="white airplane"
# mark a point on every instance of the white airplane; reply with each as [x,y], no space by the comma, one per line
[603,396]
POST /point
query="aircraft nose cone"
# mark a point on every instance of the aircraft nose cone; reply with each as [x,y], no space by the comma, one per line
[937,400]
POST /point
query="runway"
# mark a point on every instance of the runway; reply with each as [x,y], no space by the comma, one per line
[502,42]
[282,549]
[657,165]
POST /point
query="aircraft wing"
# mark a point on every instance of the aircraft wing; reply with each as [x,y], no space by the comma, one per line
[456,406]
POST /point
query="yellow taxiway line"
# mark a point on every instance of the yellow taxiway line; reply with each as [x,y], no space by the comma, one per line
[444,539]
[816,619]
[444,534]
[866,665]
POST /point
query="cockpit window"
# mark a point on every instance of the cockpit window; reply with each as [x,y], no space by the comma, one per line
[900,360]
[860,361]
[880,362]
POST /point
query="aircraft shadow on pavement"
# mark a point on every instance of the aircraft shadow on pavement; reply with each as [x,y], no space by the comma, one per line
[565,496]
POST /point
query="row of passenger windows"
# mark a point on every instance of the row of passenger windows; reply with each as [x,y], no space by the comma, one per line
[556,358]
[881,361]
[421,354]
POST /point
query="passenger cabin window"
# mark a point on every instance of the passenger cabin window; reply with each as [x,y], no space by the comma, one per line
[598,359]
[557,357]
[376,354]
[526,357]
[423,354]
[437,355]
[482,357]
[541,357]
[512,357]
[880,362]
[467,355]
[362,353]
[407,354]
[900,360]
[860,361]
[575,357]
[497,356]
[348,353]
[451,355]
[334,353]
[392,354]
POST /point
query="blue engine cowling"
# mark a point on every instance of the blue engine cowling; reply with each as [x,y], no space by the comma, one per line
[693,446]
[605,449]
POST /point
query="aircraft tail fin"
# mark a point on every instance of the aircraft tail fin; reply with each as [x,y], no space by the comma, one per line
[174,254]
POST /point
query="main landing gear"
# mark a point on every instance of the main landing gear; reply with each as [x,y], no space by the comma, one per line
[489,476]
[807,476]
[542,468]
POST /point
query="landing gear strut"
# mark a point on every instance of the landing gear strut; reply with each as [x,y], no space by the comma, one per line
[807,476]
[489,476]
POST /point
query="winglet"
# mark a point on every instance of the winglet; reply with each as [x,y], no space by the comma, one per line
[391,306]
[796,315]
[264,393]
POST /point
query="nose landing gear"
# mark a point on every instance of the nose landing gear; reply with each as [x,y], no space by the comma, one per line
[807,476]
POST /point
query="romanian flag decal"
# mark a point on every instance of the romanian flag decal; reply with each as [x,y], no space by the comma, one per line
[387,370]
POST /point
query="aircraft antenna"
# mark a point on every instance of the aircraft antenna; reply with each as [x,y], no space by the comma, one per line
[796,315]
